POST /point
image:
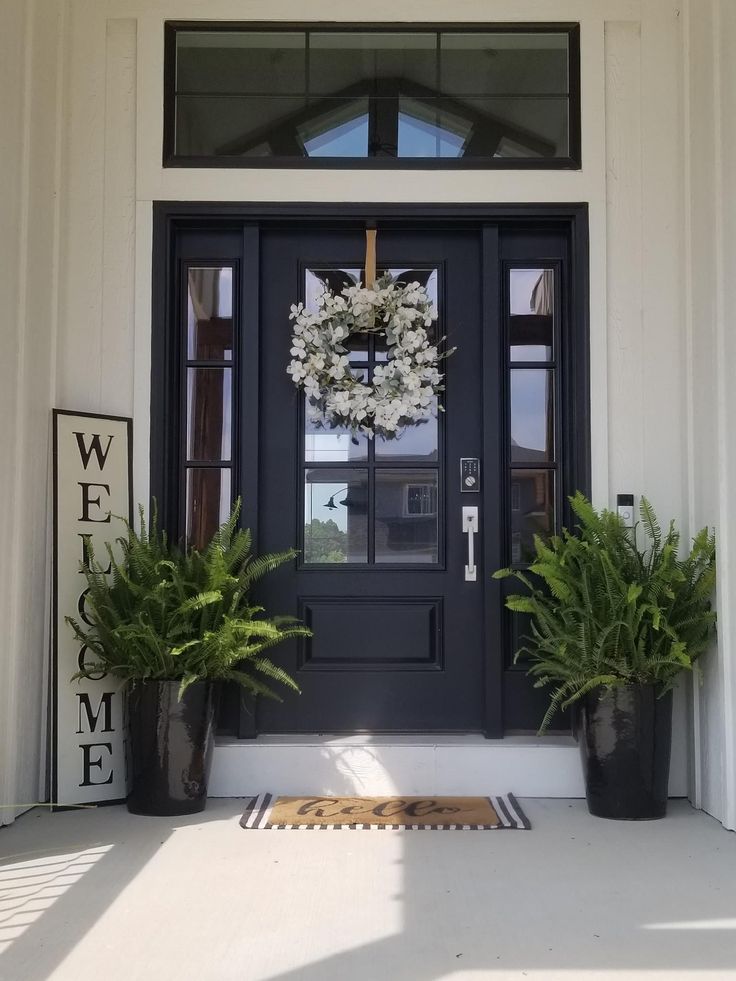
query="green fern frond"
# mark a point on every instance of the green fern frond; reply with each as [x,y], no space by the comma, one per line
[604,612]
[165,613]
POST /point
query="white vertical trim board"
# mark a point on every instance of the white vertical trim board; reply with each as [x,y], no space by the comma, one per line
[724,28]
[30,62]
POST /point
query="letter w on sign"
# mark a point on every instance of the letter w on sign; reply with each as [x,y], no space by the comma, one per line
[95,446]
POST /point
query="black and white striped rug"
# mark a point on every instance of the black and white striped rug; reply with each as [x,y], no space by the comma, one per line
[269,812]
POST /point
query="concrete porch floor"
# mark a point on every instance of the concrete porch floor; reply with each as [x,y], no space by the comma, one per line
[103,894]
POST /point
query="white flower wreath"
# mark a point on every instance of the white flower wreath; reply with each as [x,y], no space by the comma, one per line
[403,388]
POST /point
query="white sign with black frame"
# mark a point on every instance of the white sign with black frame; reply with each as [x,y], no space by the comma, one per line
[92,476]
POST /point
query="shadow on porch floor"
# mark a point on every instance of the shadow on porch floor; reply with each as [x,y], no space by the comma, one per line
[103,894]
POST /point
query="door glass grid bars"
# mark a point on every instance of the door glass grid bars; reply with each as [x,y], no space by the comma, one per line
[208,365]
[370,501]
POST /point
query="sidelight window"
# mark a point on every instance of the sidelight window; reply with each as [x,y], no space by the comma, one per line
[483,96]
[208,388]
[531,328]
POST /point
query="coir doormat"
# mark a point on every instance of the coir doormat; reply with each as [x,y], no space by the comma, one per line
[273,813]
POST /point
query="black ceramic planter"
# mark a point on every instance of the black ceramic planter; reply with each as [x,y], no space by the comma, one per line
[171,747]
[625,737]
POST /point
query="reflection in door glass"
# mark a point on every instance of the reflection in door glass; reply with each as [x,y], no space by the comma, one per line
[335,516]
[531,308]
[532,415]
[533,493]
[209,500]
[415,444]
[210,314]
[324,443]
[406,516]
[209,414]
[318,280]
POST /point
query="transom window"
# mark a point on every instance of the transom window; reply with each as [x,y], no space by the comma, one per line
[472,95]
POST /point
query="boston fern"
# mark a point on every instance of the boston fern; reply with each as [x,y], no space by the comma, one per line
[162,613]
[605,612]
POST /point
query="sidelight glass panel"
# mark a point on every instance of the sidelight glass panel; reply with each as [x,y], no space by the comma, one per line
[210,314]
[406,516]
[531,308]
[532,415]
[209,500]
[532,511]
[335,516]
[209,414]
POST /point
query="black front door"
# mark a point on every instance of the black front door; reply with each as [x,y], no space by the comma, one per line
[404,640]
[398,631]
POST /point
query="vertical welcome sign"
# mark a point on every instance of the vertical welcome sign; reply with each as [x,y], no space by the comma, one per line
[92,490]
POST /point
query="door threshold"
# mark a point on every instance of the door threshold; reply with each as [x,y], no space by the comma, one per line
[412,765]
[399,739]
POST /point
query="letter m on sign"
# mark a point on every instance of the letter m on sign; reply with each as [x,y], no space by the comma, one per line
[104,709]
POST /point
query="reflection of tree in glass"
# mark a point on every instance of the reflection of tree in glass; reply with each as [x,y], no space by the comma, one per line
[325,542]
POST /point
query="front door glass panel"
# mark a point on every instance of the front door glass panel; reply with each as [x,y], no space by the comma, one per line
[368,516]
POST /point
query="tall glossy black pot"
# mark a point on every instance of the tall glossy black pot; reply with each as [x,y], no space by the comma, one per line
[625,737]
[171,745]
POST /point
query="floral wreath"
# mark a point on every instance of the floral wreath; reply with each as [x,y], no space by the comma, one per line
[403,388]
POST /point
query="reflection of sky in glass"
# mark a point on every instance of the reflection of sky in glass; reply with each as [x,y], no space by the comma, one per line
[214,297]
[522,283]
[346,139]
[529,402]
[521,287]
[225,296]
[325,446]
[422,138]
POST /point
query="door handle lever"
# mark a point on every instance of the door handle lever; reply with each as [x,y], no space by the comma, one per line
[470,528]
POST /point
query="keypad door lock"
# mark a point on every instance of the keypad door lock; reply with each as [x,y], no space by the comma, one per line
[469,475]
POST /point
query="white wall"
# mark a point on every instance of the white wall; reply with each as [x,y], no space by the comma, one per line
[650,323]
[29,110]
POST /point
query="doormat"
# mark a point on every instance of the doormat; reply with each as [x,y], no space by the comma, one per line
[271,813]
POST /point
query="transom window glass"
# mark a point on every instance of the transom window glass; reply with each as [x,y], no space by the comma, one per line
[370,501]
[497,97]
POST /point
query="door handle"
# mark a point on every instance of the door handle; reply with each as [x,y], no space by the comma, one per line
[470,528]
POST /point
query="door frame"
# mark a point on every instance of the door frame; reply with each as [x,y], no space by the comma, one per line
[171,216]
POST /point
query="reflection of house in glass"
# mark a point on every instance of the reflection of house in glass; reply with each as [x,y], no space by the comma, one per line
[532,504]
[209,400]
[340,518]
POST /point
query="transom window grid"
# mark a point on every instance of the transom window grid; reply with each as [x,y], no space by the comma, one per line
[364,478]
[385,120]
